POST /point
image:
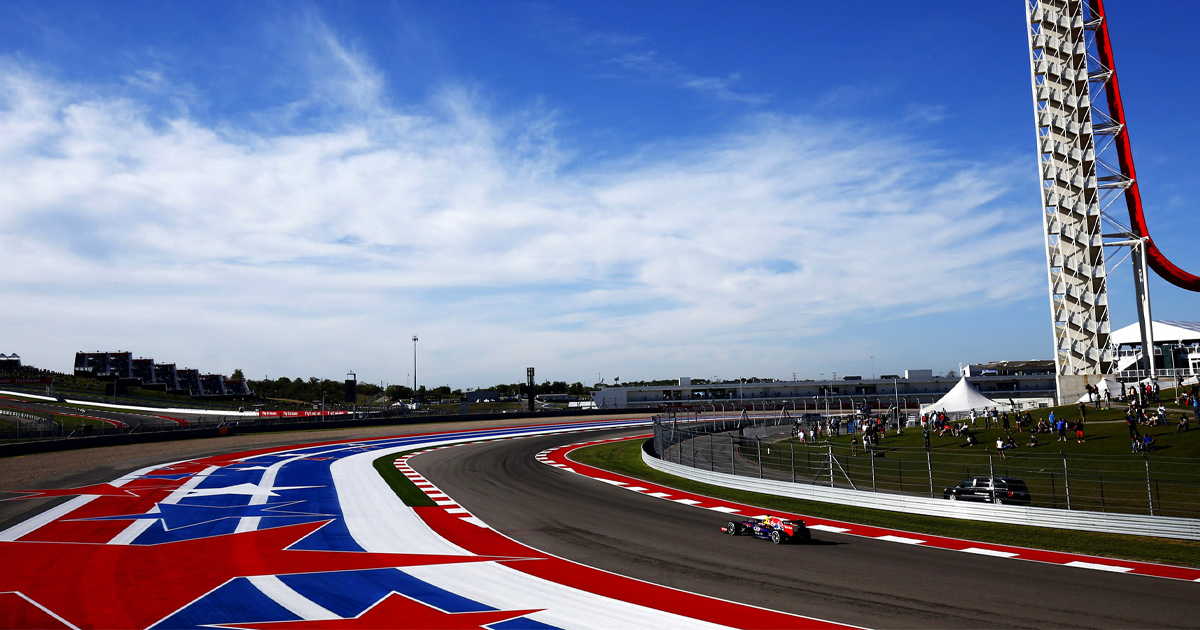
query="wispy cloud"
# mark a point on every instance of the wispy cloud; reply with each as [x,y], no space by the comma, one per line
[241,248]
[653,66]
[635,57]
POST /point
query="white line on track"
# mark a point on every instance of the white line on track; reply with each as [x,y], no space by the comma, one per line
[990,552]
[1098,567]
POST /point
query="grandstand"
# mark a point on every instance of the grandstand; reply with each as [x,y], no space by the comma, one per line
[212,385]
[142,370]
[164,377]
[188,381]
[124,370]
[93,364]
[10,361]
[236,387]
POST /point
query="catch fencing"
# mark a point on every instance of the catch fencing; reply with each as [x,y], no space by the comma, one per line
[768,446]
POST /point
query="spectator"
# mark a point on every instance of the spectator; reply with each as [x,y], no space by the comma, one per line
[1033,441]
[1131,420]
[1183,423]
[1079,431]
[1000,446]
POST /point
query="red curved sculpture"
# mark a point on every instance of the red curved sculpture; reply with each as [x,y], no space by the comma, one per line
[1133,197]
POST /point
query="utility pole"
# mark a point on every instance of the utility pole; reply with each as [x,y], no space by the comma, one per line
[414,368]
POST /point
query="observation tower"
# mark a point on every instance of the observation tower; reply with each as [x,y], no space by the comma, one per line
[1085,166]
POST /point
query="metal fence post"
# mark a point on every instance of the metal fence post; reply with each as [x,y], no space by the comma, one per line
[758,447]
[712,454]
[829,448]
[1066,480]
[792,452]
[929,464]
[873,488]
[732,456]
[1149,489]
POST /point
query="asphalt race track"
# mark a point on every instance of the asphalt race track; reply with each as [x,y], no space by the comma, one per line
[838,578]
[213,517]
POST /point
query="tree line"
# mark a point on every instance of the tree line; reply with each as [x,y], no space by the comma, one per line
[312,389]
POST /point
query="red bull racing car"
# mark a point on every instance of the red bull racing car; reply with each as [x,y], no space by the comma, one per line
[772,528]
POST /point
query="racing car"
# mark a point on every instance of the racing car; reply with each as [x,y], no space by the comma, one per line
[772,528]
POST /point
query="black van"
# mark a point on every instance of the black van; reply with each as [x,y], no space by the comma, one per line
[990,489]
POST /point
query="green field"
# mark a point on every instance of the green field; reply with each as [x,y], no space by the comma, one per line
[401,485]
[625,458]
[1102,474]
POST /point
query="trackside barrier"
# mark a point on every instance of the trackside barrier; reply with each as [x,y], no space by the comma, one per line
[1161,526]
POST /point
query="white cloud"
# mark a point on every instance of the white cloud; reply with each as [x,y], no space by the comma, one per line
[313,252]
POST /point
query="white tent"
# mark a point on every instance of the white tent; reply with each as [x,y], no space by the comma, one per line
[963,397]
[1106,384]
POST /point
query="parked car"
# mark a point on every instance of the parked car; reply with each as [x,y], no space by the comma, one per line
[772,528]
[990,489]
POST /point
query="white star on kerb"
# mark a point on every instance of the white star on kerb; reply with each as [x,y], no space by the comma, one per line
[253,468]
[246,489]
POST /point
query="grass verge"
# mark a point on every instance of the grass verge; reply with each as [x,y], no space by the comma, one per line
[404,488]
[625,458]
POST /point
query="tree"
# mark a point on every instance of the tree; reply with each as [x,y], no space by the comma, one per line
[237,375]
[951,374]
[398,392]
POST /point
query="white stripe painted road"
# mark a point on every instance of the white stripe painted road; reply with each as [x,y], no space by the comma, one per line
[830,528]
[287,597]
[990,552]
[1098,567]
[900,539]
[561,606]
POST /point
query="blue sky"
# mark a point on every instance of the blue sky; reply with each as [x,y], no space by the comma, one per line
[600,190]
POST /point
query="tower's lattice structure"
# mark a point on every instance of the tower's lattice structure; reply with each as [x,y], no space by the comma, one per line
[1085,165]
[1073,179]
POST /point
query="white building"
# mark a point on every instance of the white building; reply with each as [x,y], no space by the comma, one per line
[1176,350]
[915,388]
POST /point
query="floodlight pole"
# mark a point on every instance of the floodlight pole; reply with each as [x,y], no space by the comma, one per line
[414,368]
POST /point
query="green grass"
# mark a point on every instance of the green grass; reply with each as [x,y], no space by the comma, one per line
[1102,474]
[75,422]
[625,458]
[401,485]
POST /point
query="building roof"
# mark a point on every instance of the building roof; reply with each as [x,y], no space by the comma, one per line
[1163,331]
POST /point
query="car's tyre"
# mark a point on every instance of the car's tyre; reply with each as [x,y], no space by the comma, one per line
[732,528]
[953,497]
[777,537]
